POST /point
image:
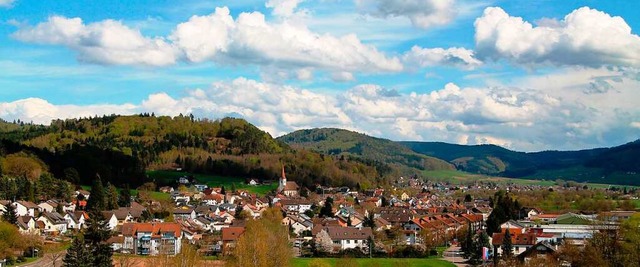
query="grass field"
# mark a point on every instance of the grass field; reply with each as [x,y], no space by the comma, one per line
[212,181]
[380,262]
[159,196]
[464,177]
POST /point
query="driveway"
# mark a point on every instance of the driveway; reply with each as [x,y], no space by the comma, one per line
[453,254]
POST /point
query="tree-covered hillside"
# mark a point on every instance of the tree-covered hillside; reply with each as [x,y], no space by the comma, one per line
[121,148]
[618,165]
[351,144]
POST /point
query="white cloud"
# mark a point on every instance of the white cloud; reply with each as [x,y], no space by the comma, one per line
[585,37]
[283,8]
[249,39]
[551,111]
[105,42]
[6,3]
[422,13]
[342,76]
[40,111]
[429,57]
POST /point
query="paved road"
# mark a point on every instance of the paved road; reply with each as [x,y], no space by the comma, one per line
[453,254]
[48,260]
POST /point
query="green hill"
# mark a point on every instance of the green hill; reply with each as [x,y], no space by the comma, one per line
[618,165]
[340,142]
[122,149]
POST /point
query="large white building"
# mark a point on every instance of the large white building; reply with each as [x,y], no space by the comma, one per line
[152,238]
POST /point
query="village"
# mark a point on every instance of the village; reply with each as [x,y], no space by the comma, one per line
[329,222]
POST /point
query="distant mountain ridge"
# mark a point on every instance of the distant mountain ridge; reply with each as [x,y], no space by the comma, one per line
[617,165]
[333,141]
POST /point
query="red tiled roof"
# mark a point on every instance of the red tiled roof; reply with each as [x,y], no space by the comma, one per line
[130,229]
[232,233]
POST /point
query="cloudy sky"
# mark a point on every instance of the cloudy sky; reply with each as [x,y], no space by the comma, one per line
[529,75]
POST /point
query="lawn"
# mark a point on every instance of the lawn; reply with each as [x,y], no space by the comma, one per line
[381,262]
[169,177]
[159,196]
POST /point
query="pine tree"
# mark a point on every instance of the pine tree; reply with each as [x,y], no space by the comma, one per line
[78,255]
[96,201]
[112,197]
[507,246]
[327,209]
[468,245]
[222,191]
[10,215]
[95,238]
[124,200]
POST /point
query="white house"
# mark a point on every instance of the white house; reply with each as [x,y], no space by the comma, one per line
[27,225]
[48,206]
[346,237]
[295,205]
[75,220]
[53,223]
[26,208]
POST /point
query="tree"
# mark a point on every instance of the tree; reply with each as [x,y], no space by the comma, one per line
[10,215]
[349,221]
[124,199]
[95,238]
[631,240]
[264,242]
[72,175]
[507,246]
[78,255]
[112,197]
[369,221]
[468,246]
[327,209]
[187,257]
[323,243]
[96,200]
[222,191]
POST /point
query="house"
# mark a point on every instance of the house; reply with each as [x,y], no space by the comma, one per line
[539,250]
[253,182]
[344,237]
[54,223]
[520,242]
[230,236]
[26,208]
[184,213]
[287,188]
[112,220]
[49,206]
[617,216]
[183,180]
[85,194]
[529,213]
[122,215]
[213,199]
[299,223]
[152,238]
[76,220]
[3,205]
[295,206]
[201,187]
[27,225]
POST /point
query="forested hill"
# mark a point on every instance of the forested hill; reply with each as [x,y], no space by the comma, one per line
[121,148]
[347,143]
[620,165]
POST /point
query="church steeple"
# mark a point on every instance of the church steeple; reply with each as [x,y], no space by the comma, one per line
[283,181]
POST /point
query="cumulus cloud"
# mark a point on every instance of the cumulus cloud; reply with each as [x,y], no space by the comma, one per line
[283,8]
[585,37]
[105,42]
[422,13]
[40,111]
[216,37]
[540,112]
[455,56]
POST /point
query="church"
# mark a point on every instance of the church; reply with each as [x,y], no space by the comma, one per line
[289,189]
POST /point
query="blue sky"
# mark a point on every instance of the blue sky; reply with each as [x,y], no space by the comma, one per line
[528,75]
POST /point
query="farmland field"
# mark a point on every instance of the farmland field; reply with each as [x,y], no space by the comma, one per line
[466,178]
[169,177]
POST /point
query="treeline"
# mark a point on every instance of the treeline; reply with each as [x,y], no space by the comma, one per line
[121,148]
